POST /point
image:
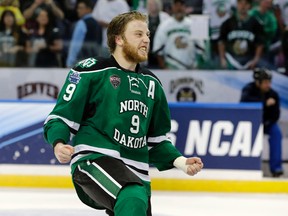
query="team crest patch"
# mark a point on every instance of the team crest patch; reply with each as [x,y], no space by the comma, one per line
[115,81]
[74,77]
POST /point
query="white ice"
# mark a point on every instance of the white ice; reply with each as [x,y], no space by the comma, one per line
[64,202]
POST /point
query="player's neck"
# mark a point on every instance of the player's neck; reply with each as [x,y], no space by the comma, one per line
[123,62]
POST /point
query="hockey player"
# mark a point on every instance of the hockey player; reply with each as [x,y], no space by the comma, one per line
[260,91]
[117,115]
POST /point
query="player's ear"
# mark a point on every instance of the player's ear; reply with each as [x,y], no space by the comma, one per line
[119,40]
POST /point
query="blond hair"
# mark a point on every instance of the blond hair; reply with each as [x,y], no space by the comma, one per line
[118,26]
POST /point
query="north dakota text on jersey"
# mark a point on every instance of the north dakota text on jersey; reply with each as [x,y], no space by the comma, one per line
[134,105]
[129,141]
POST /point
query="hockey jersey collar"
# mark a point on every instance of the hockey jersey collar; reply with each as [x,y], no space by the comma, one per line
[115,63]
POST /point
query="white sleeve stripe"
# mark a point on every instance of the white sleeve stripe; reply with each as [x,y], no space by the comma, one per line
[157,139]
[71,124]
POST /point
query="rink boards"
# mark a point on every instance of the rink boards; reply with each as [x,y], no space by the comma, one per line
[228,138]
[225,136]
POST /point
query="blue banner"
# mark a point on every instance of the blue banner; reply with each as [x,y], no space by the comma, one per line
[225,136]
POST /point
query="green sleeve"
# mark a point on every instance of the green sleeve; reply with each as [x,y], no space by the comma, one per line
[67,114]
[162,153]
[56,130]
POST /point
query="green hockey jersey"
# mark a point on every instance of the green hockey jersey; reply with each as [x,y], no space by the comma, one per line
[107,110]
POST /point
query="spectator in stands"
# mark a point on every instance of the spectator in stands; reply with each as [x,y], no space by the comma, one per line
[194,6]
[139,5]
[282,17]
[45,44]
[69,9]
[104,11]
[172,42]
[12,40]
[282,5]
[264,13]
[31,10]
[255,3]
[167,6]
[285,49]
[241,40]
[155,17]
[260,91]
[87,35]
[31,6]
[13,5]
[218,11]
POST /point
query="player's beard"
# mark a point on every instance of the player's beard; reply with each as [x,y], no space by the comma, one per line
[131,53]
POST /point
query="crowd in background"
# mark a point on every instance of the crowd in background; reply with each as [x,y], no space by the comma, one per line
[243,34]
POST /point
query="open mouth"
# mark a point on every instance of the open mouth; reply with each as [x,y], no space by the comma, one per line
[144,50]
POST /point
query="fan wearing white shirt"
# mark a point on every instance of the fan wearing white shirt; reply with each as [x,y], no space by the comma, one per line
[104,11]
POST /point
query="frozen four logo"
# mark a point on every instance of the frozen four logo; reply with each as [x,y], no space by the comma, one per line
[74,77]
[115,81]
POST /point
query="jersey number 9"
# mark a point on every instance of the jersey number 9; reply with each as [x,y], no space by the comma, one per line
[69,92]
[135,122]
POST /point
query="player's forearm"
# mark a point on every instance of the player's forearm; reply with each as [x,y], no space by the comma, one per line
[162,155]
[55,132]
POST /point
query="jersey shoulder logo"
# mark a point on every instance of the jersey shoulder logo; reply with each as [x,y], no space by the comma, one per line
[87,63]
[115,80]
[74,77]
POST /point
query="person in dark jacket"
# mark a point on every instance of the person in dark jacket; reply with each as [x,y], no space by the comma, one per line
[260,91]
[87,35]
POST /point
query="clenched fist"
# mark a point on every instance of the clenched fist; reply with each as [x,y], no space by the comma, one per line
[194,165]
[191,166]
[63,152]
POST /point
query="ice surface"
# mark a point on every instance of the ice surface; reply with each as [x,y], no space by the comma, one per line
[64,202]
